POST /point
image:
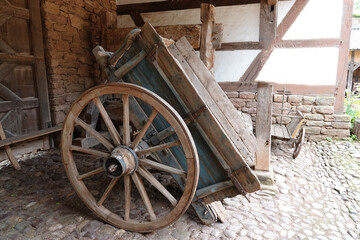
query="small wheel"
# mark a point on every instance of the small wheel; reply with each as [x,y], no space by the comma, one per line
[298,143]
[109,176]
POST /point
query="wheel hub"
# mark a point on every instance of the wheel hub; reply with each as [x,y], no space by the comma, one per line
[122,161]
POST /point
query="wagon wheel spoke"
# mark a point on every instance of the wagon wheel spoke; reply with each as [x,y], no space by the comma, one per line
[157,148]
[162,167]
[90,151]
[94,133]
[109,124]
[91,173]
[144,196]
[144,129]
[107,191]
[126,120]
[127,191]
[148,176]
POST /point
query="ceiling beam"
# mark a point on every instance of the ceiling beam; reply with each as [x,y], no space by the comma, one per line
[172,5]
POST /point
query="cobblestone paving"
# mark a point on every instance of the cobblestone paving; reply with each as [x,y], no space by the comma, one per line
[318,198]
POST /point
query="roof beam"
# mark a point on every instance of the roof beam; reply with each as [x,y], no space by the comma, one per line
[176,5]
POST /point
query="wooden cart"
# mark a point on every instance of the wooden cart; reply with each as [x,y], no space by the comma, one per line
[292,131]
[171,119]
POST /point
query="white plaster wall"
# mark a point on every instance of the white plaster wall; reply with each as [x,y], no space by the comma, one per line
[241,23]
[319,19]
[308,66]
[231,65]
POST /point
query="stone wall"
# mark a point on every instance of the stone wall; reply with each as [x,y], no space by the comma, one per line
[320,120]
[68,26]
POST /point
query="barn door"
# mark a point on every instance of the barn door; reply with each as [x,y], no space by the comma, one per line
[24,103]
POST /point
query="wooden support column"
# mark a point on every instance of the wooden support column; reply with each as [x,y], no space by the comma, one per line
[39,66]
[343,56]
[8,151]
[263,126]
[350,71]
[207,51]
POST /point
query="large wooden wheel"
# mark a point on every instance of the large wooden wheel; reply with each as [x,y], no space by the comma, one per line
[121,163]
[298,143]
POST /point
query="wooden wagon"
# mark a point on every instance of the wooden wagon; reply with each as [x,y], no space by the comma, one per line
[292,131]
[170,119]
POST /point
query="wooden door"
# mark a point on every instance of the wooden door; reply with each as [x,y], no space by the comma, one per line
[24,103]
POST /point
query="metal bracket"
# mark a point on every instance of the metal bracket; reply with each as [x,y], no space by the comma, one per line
[195,115]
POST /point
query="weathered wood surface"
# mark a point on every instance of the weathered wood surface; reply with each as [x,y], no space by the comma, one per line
[8,151]
[191,96]
[207,51]
[263,126]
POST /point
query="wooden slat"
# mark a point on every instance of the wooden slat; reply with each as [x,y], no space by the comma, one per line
[11,10]
[308,43]
[39,67]
[89,151]
[124,69]
[7,94]
[343,56]
[17,58]
[204,192]
[231,46]
[26,103]
[221,100]
[162,167]
[207,51]
[29,136]
[263,126]
[157,148]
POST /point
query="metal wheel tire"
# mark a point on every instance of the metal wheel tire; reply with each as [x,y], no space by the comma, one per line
[299,142]
[136,166]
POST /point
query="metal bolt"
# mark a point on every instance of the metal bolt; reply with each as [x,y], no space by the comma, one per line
[112,168]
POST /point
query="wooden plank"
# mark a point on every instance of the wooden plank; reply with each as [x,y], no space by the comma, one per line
[6,69]
[222,101]
[206,191]
[137,19]
[124,69]
[29,136]
[263,126]
[308,43]
[253,71]
[268,22]
[11,10]
[231,46]
[350,72]
[39,67]
[17,58]
[343,56]
[26,103]
[175,5]
[207,51]
[8,151]
[7,94]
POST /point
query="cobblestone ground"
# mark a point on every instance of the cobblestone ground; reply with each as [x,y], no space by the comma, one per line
[318,198]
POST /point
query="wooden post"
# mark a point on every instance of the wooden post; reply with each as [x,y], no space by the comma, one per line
[350,72]
[8,151]
[207,51]
[263,126]
[343,56]
[39,67]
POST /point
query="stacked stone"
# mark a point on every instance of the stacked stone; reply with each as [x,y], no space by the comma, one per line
[67,32]
[320,120]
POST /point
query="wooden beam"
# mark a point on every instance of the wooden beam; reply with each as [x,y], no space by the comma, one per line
[356,66]
[263,126]
[207,51]
[252,73]
[137,19]
[6,69]
[350,72]
[39,67]
[7,94]
[26,103]
[176,5]
[294,88]
[343,56]
[25,137]
[8,151]
[17,58]
[268,22]
[231,46]
[308,43]
[11,10]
